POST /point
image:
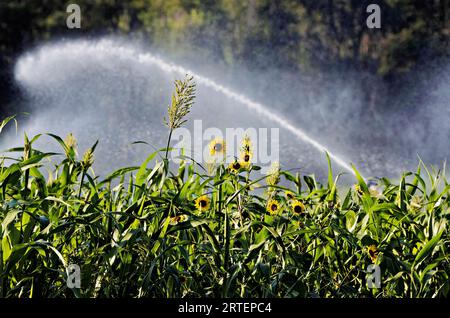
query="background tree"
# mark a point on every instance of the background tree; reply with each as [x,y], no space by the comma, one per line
[303,35]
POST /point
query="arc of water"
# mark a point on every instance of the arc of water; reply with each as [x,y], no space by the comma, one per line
[257,107]
[107,47]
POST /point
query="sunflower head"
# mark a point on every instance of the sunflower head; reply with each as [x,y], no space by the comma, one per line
[178,219]
[289,195]
[183,279]
[217,146]
[202,203]
[246,154]
[358,189]
[244,164]
[373,252]
[246,159]
[298,207]
[235,166]
[246,145]
[273,207]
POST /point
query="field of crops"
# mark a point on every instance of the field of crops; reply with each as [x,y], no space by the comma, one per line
[215,230]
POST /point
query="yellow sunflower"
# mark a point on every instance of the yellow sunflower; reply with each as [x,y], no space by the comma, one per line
[358,189]
[273,207]
[373,252]
[202,203]
[178,219]
[217,146]
[297,207]
[235,166]
[183,279]
[246,159]
[289,195]
[246,145]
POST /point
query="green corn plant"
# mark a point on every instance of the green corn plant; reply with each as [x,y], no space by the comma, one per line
[150,231]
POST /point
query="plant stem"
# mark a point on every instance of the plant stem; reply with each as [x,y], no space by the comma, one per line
[166,161]
[81,184]
[27,178]
[227,253]
[168,143]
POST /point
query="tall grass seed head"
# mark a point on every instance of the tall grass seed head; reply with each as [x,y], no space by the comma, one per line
[71,145]
[26,149]
[273,175]
[181,104]
[88,159]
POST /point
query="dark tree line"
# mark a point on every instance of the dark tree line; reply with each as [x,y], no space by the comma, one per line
[305,34]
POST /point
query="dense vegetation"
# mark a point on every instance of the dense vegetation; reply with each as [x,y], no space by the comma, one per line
[208,231]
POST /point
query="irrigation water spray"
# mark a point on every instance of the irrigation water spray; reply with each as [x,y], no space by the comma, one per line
[28,72]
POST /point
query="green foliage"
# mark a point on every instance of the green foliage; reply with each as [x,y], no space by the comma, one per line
[301,33]
[144,233]
[306,36]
